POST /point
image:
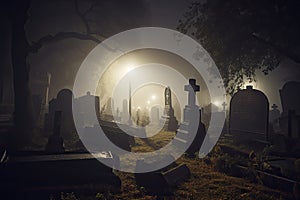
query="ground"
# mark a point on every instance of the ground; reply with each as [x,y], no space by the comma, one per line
[205,182]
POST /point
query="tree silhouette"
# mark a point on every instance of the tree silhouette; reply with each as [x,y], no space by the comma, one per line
[21,48]
[243,36]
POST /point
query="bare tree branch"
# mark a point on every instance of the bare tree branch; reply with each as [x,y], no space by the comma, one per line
[61,36]
[88,35]
[82,15]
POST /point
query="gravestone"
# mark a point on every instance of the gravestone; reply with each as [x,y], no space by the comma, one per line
[154,115]
[170,122]
[191,127]
[45,172]
[63,103]
[163,180]
[224,104]
[249,113]
[290,97]
[125,114]
[108,114]
[113,132]
[290,101]
[82,104]
[274,114]
[55,142]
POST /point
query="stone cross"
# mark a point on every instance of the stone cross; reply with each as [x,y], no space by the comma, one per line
[224,104]
[192,88]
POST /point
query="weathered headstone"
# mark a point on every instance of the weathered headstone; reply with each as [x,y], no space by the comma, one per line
[224,104]
[113,132]
[63,102]
[163,180]
[55,142]
[249,113]
[191,126]
[290,97]
[274,114]
[23,174]
[290,100]
[169,119]
[83,106]
[108,114]
[125,114]
[154,115]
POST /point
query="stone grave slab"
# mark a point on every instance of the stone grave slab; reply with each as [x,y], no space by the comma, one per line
[21,172]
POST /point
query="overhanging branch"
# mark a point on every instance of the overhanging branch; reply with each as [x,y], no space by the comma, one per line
[61,36]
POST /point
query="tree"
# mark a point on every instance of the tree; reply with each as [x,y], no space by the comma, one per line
[243,36]
[17,11]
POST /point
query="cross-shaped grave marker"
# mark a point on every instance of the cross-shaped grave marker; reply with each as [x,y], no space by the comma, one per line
[192,88]
[224,104]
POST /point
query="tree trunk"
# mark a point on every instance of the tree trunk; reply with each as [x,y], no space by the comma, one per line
[23,113]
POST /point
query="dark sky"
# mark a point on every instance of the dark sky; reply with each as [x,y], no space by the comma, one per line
[50,17]
[62,59]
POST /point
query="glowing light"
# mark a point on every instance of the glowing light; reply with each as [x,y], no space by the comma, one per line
[129,68]
[148,102]
[217,103]
[153,97]
[138,107]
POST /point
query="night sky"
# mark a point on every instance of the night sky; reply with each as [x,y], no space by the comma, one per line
[62,59]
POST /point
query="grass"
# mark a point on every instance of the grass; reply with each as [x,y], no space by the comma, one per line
[205,182]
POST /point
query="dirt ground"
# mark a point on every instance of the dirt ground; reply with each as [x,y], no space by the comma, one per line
[205,182]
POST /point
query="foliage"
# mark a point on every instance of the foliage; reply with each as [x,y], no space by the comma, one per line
[243,36]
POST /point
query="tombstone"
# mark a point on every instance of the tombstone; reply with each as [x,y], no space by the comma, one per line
[108,111]
[47,173]
[83,106]
[170,122]
[138,117]
[118,117]
[113,132]
[274,114]
[249,113]
[160,181]
[290,101]
[55,142]
[63,102]
[125,114]
[154,115]
[290,97]
[187,128]
[224,104]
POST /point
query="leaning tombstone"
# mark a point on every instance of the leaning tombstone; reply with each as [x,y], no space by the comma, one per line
[161,181]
